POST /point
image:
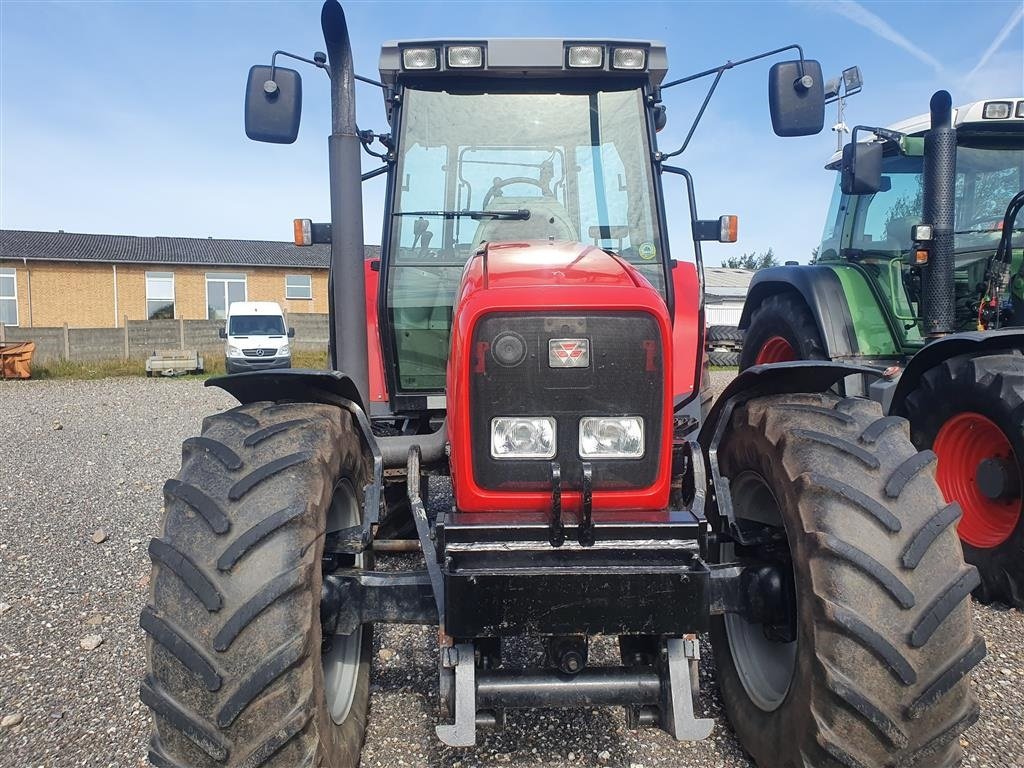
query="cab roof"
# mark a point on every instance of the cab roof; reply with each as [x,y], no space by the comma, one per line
[524,57]
[964,115]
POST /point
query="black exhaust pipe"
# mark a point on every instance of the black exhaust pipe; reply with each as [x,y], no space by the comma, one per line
[939,193]
[347,297]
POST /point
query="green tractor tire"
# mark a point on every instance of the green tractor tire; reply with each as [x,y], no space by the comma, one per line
[970,411]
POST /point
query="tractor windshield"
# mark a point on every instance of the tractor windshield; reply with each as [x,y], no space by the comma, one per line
[988,175]
[500,166]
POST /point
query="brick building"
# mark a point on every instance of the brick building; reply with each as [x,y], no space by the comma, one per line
[97,281]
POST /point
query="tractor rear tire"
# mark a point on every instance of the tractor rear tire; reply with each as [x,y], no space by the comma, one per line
[724,336]
[235,660]
[781,329]
[877,674]
[970,400]
[721,359]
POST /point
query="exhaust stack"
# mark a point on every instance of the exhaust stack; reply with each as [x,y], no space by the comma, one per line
[346,293]
[939,191]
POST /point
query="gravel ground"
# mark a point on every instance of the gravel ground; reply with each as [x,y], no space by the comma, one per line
[80,457]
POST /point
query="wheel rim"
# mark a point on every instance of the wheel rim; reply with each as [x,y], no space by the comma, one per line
[962,444]
[775,350]
[341,660]
[765,667]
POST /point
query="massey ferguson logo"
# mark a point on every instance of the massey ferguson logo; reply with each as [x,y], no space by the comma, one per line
[569,353]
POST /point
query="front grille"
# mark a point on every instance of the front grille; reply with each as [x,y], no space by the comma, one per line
[259,352]
[625,377]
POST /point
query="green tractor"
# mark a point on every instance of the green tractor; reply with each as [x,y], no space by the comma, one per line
[920,275]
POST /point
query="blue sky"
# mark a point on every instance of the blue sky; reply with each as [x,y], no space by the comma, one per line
[126,117]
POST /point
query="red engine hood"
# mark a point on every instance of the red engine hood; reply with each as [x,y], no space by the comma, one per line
[545,277]
[538,264]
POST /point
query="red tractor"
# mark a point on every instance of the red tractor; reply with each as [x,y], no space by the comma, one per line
[540,346]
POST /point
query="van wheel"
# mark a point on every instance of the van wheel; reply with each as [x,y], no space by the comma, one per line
[868,663]
[238,672]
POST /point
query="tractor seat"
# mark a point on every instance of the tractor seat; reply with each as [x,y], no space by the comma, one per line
[897,231]
[548,218]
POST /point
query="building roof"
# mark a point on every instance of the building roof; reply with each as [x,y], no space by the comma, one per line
[190,251]
[724,282]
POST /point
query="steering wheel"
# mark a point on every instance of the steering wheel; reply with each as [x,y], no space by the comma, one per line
[500,183]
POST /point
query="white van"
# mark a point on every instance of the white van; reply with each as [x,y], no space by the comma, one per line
[257,337]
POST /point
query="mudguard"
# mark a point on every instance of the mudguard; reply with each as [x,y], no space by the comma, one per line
[822,290]
[300,384]
[935,352]
[761,381]
[774,379]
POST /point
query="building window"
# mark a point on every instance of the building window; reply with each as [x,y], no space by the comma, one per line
[160,295]
[8,297]
[223,288]
[298,287]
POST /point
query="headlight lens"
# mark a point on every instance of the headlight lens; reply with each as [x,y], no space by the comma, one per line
[523,437]
[419,58]
[285,350]
[234,351]
[620,437]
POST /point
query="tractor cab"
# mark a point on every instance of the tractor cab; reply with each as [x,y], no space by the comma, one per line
[874,228]
[507,141]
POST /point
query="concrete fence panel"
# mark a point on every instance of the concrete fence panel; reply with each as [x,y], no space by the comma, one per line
[204,335]
[95,343]
[49,342]
[311,332]
[148,336]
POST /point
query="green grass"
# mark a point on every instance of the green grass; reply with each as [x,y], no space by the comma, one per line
[98,369]
[104,369]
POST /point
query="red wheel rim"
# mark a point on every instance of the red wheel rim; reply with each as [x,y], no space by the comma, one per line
[775,350]
[962,443]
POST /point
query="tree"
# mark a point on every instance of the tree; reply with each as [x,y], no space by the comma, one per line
[752,261]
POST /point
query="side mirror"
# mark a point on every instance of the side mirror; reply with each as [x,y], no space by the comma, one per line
[797,102]
[861,168]
[291,333]
[724,229]
[273,107]
[222,333]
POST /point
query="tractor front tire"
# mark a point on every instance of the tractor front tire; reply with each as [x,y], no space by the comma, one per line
[970,410]
[781,329]
[236,665]
[875,671]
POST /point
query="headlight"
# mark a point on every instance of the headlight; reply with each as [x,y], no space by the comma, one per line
[523,437]
[620,437]
[285,350]
[419,58]
[234,351]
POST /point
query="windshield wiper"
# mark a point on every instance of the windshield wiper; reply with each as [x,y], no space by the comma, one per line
[984,231]
[520,215]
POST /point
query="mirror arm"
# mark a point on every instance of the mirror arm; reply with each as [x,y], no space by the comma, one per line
[718,72]
[731,64]
[375,172]
[273,62]
[884,134]
[696,120]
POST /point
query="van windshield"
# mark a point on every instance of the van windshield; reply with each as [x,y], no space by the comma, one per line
[256,325]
